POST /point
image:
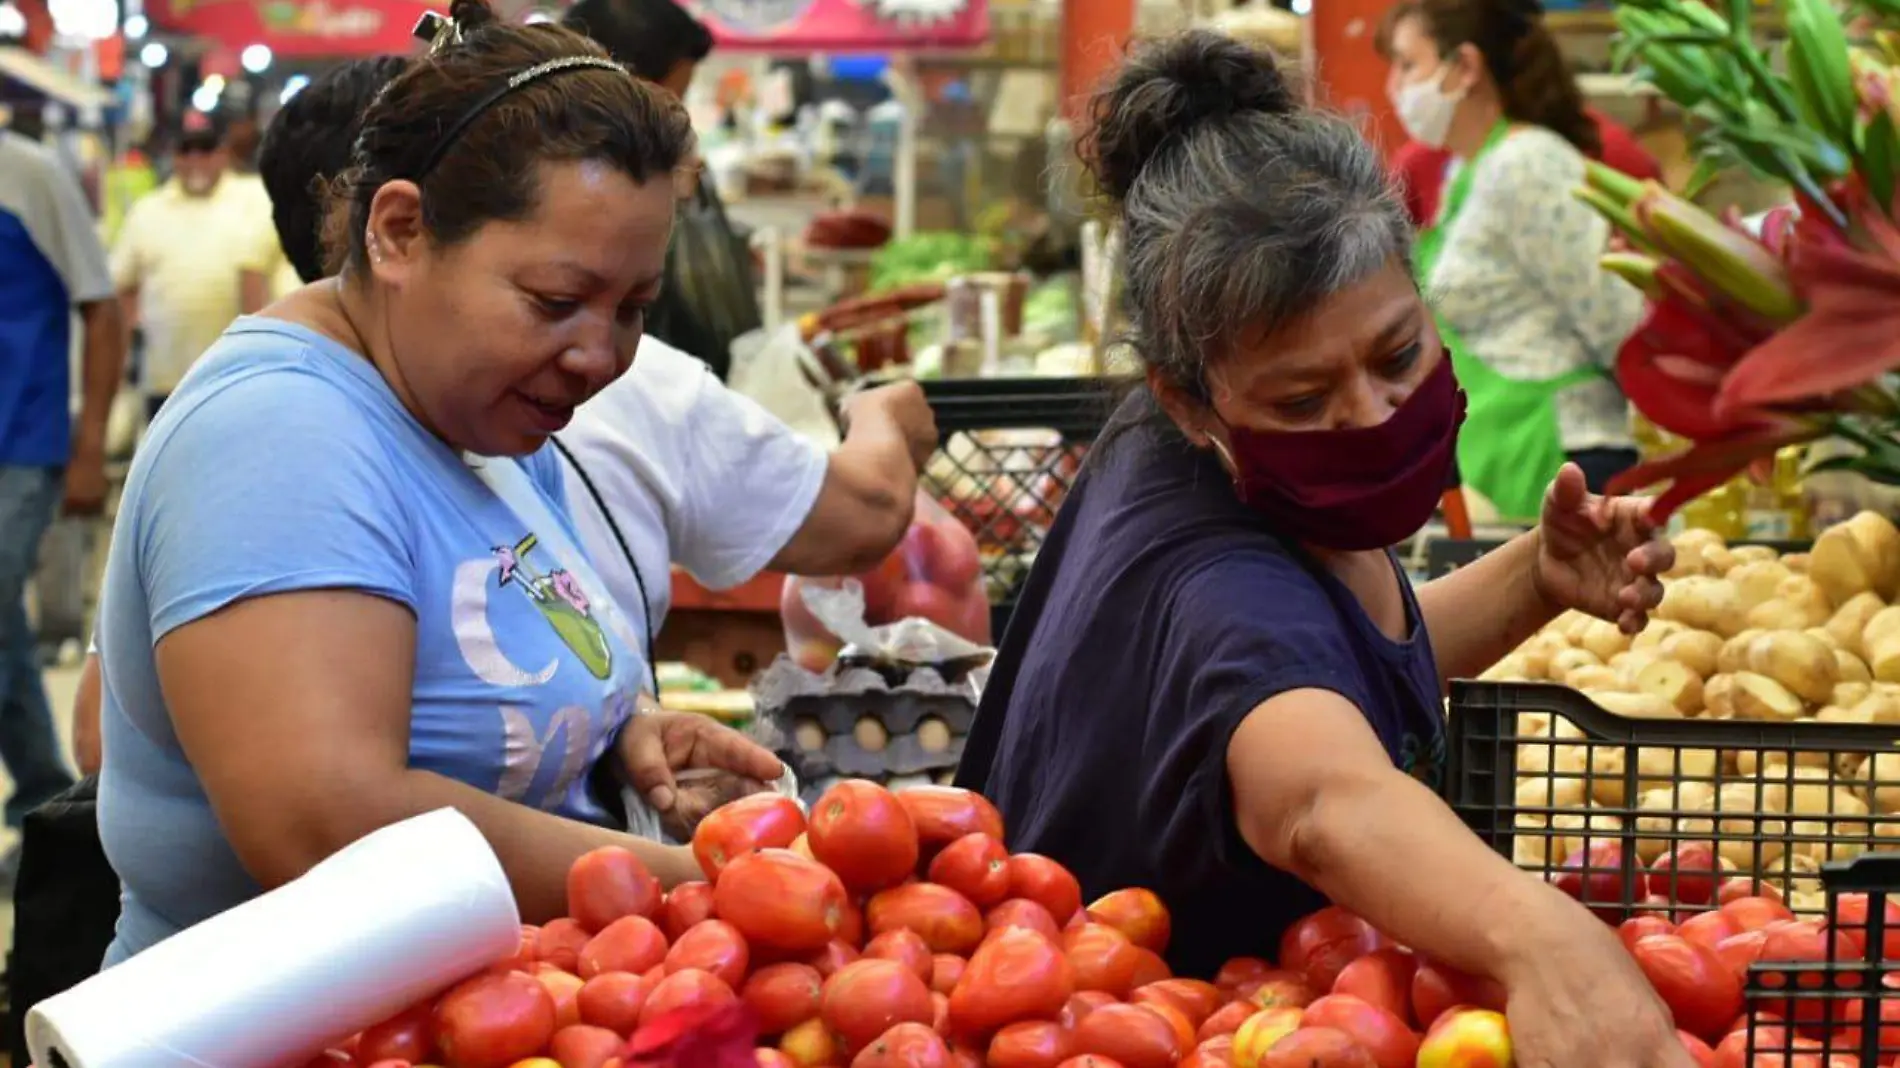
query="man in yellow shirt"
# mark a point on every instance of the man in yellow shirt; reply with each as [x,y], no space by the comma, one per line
[180,256]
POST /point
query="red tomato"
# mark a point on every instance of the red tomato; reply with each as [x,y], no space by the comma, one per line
[861,831]
[1689,874]
[1637,928]
[1274,990]
[851,931]
[492,1021]
[1216,1052]
[1226,1020]
[1132,1035]
[1018,975]
[943,814]
[1383,978]
[812,1045]
[1852,915]
[779,899]
[1805,942]
[906,947]
[940,1013]
[613,1001]
[1030,1044]
[1319,1047]
[582,1046]
[753,822]
[1772,1046]
[768,1057]
[946,919]
[869,997]
[945,970]
[1698,1049]
[1320,946]
[1439,987]
[609,883]
[1701,992]
[1738,951]
[1021,912]
[1047,883]
[835,955]
[1754,913]
[527,954]
[689,989]
[976,866]
[1384,1035]
[1079,1006]
[565,989]
[629,944]
[560,942]
[1183,1027]
[1239,970]
[1149,968]
[406,1036]
[713,946]
[684,906]
[1596,877]
[1104,959]
[1137,913]
[1091,1060]
[1196,999]
[1737,887]
[783,996]
[1707,928]
[907,1045]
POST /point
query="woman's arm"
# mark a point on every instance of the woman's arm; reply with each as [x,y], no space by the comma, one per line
[1479,613]
[87,751]
[870,484]
[294,710]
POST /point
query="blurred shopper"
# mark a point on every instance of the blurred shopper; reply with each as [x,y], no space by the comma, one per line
[51,262]
[179,257]
[1510,258]
[711,296]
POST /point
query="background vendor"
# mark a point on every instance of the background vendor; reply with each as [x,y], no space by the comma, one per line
[1218,683]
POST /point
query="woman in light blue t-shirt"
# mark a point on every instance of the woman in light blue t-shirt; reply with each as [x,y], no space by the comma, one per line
[342,588]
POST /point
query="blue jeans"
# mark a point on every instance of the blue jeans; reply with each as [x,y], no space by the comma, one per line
[28,743]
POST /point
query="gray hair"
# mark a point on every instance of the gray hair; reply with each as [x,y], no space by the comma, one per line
[1241,208]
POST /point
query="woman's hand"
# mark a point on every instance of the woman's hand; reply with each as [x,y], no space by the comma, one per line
[1581,1002]
[656,744]
[1600,555]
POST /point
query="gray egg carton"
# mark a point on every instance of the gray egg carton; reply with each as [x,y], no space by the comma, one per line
[859,723]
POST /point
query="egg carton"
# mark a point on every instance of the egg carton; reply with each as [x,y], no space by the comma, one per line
[854,722]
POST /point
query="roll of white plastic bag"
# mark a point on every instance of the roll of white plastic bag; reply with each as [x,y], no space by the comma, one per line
[391,919]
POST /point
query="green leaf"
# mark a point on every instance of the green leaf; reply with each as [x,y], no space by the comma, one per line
[1879,158]
[1708,167]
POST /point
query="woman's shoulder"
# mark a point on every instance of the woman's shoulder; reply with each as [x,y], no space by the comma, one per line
[1532,156]
[277,376]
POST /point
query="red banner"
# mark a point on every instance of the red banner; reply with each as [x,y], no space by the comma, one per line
[296,27]
[794,26]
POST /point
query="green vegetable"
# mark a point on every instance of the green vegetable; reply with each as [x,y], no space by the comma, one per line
[929,257]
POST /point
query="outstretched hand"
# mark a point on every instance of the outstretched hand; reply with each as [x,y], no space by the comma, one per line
[656,746]
[1600,555]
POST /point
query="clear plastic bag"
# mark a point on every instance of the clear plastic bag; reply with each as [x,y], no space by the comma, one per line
[935,574]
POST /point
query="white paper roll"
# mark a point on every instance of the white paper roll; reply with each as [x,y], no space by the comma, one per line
[386,922]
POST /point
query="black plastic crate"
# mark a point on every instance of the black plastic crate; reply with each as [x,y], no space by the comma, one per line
[1445,555]
[1010,450]
[1591,799]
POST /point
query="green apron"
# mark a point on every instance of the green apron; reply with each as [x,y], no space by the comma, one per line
[1509,448]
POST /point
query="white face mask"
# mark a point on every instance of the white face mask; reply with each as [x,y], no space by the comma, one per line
[1426,110]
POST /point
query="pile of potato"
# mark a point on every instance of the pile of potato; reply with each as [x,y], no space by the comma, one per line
[1742,634]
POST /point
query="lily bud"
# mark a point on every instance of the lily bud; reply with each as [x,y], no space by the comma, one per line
[1733,264]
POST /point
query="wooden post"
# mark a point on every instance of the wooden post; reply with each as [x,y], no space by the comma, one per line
[1350,75]
[1094,35]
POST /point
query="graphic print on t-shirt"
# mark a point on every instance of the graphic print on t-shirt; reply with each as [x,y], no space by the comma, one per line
[558,596]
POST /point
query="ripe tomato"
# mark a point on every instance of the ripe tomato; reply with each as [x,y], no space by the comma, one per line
[945,970]
[1183,1027]
[907,1045]
[714,946]
[1029,1044]
[684,906]
[1707,928]
[527,954]
[1022,912]
[1137,913]
[609,883]
[1018,975]
[1149,968]
[560,942]
[582,1046]
[906,947]
[1595,876]
[1321,945]
[861,831]
[851,929]
[835,955]
[1091,1060]
[1080,1005]
[1689,874]
[940,1013]
[946,919]
[1133,1035]
[767,1057]
[869,997]
[1738,951]
[783,996]
[1047,883]
[613,1001]
[1319,1047]
[1226,1020]
[1196,1000]
[811,1045]
[689,989]
[1701,992]
[943,814]
[565,989]
[1637,928]
[753,822]
[1238,970]
[1698,1049]
[779,899]
[1805,942]
[1382,977]
[1259,1032]
[1104,959]
[1754,913]
[406,1036]
[1384,1035]
[1437,988]
[1276,989]
[976,866]
[1216,1052]
[629,944]
[492,1021]
[1852,914]
[1736,887]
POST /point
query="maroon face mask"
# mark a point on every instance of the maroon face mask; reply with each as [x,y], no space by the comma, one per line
[1360,488]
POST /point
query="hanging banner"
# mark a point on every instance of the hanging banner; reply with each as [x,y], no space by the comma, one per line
[794,26]
[296,27]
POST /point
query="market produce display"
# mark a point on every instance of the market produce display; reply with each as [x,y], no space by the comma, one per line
[1742,634]
[894,930]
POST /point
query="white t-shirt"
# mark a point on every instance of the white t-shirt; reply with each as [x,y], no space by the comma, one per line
[692,472]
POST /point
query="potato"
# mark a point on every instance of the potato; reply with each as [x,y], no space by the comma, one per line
[1674,683]
[1573,625]
[1596,677]
[1533,724]
[1799,662]
[1535,662]
[1733,656]
[1837,713]
[1849,694]
[1570,660]
[1880,707]
[1802,592]
[1752,554]
[1702,603]
[1744,808]
[1796,562]
[1603,639]
[1661,768]
[1629,664]
[1653,635]
[1547,641]
[1634,705]
[1849,621]
[1851,668]
[1685,797]
[1543,791]
[1600,825]
[1539,759]
[1696,650]
[1718,697]
[1759,697]
[1510,669]
[1881,640]
[1822,635]
[1825,800]
[1878,780]
[1778,614]
[1861,555]
[1773,763]
[1755,583]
